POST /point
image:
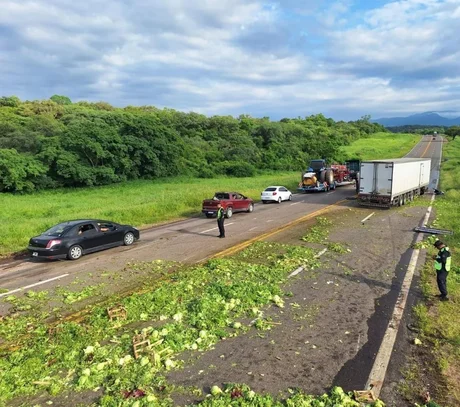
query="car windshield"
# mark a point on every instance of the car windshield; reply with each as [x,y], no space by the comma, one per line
[57,230]
[271,189]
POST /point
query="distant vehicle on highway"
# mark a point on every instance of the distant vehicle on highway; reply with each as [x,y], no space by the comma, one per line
[75,238]
[231,202]
[276,194]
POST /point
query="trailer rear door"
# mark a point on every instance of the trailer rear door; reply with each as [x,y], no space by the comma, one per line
[366,178]
[384,178]
[376,178]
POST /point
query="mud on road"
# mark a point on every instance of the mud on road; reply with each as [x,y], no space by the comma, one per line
[334,317]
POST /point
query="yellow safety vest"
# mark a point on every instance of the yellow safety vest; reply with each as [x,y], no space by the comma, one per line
[438,263]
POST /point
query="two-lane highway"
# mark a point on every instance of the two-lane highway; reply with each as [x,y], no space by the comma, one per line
[190,241]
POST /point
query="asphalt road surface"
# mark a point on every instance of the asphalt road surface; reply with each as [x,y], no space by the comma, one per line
[191,240]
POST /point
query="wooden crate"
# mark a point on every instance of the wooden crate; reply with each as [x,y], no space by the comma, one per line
[364,396]
[141,344]
[117,313]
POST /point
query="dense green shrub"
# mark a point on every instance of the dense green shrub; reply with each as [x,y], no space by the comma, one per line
[52,143]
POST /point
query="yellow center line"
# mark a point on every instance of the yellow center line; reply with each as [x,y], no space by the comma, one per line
[426,149]
[246,243]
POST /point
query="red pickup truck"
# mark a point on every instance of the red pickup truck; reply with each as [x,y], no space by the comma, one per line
[230,201]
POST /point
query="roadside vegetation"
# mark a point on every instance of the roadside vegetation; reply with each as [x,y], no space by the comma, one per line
[56,143]
[440,321]
[380,145]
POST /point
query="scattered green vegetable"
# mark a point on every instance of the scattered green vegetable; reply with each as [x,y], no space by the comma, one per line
[190,309]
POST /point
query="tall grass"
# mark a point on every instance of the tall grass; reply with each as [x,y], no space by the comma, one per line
[443,319]
[137,203]
[381,145]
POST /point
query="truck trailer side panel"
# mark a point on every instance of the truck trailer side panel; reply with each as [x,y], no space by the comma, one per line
[410,175]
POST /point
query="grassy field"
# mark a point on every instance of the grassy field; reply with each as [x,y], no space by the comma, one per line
[137,203]
[381,145]
[440,321]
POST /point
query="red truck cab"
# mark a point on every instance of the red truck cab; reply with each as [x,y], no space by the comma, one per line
[231,202]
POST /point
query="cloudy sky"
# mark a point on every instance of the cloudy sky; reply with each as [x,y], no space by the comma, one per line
[285,58]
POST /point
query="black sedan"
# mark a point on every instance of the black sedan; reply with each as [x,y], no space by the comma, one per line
[75,238]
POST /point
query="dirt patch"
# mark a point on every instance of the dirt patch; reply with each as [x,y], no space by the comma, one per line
[353,296]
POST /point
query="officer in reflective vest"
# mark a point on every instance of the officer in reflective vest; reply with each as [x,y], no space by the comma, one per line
[221,220]
[442,263]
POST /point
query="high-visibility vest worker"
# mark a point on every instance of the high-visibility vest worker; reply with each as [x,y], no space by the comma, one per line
[220,220]
[442,264]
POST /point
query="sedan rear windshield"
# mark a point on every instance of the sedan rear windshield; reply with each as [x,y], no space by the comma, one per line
[221,195]
[270,189]
[58,230]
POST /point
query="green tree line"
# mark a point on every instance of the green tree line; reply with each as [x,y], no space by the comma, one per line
[56,143]
[418,129]
[452,131]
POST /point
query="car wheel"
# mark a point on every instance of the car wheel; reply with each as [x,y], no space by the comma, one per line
[279,200]
[290,197]
[250,208]
[229,212]
[209,215]
[264,202]
[128,240]
[75,252]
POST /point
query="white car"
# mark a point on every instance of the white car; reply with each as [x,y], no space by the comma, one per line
[276,194]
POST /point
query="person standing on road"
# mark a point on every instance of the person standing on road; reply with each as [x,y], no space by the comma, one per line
[442,262]
[220,220]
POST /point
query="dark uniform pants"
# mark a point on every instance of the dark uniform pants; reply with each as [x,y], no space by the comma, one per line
[220,223]
[441,278]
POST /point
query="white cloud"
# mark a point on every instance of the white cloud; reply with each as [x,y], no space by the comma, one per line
[403,56]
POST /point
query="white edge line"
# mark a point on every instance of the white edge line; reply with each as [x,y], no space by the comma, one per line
[296,271]
[379,368]
[228,224]
[295,203]
[367,217]
[301,268]
[321,253]
[208,230]
[33,285]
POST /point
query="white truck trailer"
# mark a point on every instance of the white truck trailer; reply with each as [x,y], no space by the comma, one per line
[386,183]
